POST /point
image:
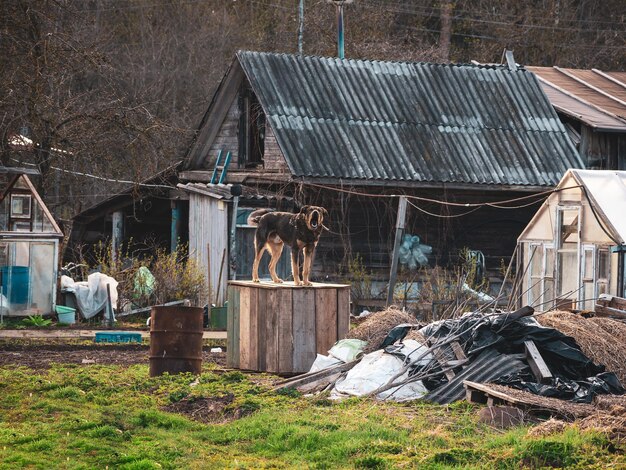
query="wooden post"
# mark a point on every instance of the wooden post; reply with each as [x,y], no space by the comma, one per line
[233,240]
[396,247]
[208,273]
[117,233]
[175,226]
[109,307]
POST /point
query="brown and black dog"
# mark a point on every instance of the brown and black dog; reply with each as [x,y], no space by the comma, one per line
[301,231]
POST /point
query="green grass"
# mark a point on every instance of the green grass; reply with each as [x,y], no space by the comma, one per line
[92,417]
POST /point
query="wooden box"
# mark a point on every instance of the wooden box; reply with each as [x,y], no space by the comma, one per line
[280,328]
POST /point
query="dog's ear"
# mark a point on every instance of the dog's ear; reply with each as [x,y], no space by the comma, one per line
[304,209]
[324,211]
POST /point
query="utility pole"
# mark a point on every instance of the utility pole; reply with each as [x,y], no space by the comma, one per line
[340,31]
[396,248]
[300,26]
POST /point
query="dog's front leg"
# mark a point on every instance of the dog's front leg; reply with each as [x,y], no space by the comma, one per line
[295,266]
[306,270]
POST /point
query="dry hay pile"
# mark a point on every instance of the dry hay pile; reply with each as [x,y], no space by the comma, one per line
[547,428]
[565,409]
[376,327]
[601,339]
[416,335]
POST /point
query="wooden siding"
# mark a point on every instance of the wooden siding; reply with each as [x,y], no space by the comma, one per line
[273,158]
[601,150]
[227,138]
[208,227]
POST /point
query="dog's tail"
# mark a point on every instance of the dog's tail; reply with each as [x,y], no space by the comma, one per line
[254,217]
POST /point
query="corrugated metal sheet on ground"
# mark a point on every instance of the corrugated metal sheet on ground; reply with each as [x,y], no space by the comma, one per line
[488,366]
[355,119]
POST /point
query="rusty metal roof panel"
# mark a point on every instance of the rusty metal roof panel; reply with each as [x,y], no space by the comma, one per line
[392,121]
[595,97]
[488,366]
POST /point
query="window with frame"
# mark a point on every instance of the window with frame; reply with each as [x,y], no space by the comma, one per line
[603,272]
[541,275]
[567,251]
[587,277]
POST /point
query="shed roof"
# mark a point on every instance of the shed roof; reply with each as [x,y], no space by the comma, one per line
[607,191]
[594,97]
[414,122]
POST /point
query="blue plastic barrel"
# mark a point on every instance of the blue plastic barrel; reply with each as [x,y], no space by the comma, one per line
[15,283]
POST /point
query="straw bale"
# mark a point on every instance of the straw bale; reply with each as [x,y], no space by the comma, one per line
[376,327]
[547,428]
[603,340]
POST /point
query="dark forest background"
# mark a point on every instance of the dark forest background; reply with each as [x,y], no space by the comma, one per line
[116,88]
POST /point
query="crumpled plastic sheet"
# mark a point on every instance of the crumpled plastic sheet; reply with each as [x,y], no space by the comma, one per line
[91,295]
[374,371]
[576,377]
[579,391]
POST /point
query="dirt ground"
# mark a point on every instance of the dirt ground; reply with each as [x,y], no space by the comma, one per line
[38,355]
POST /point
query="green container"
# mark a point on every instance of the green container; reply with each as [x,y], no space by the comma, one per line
[67,315]
[217,319]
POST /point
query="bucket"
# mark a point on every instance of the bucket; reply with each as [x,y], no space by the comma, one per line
[67,315]
[15,283]
[175,340]
[217,320]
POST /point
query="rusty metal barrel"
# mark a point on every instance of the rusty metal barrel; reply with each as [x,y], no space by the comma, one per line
[175,340]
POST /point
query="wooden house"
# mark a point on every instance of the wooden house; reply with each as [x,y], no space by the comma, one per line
[473,147]
[592,106]
[574,248]
[351,135]
[29,247]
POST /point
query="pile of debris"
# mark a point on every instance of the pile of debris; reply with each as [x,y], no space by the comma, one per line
[489,358]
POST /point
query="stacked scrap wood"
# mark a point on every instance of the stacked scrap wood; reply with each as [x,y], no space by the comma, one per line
[601,339]
[377,326]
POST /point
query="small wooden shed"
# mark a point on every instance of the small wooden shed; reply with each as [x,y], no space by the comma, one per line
[29,247]
[573,250]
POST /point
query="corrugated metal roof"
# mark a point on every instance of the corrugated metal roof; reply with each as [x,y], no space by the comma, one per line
[488,366]
[595,97]
[355,119]
[223,191]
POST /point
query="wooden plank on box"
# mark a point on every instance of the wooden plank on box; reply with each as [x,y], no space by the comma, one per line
[304,338]
[325,319]
[343,312]
[232,327]
[271,331]
[247,329]
[284,311]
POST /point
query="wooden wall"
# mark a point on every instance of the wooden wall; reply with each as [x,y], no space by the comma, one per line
[208,227]
[273,158]
[602,150]
[227,138]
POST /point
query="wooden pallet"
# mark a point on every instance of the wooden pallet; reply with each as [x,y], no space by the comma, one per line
[608,306]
